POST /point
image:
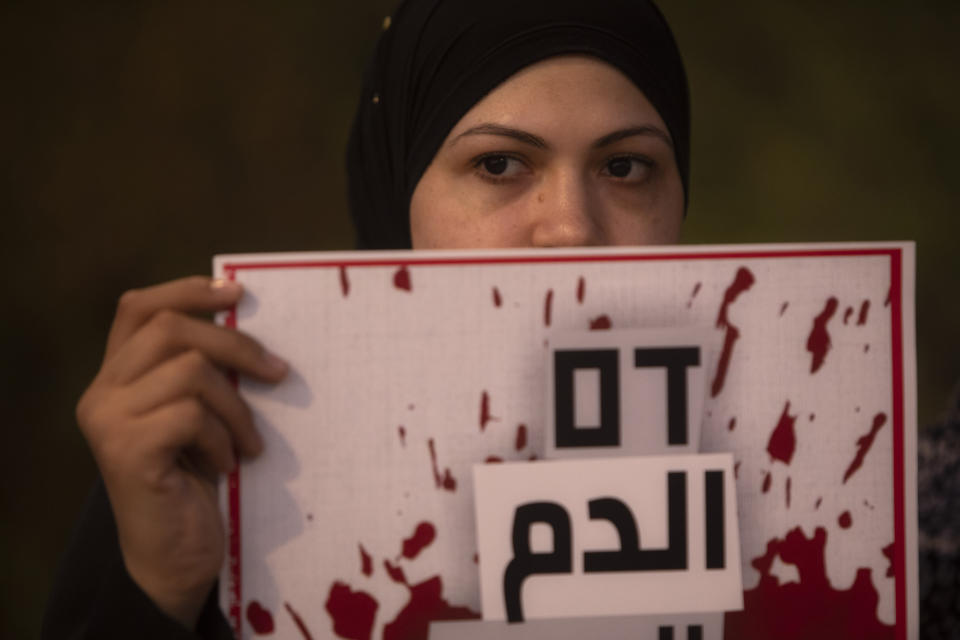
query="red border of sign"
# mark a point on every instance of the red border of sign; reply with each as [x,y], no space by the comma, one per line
[233,510]
[895,254]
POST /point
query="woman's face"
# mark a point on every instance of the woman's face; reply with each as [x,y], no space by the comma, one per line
[567,152]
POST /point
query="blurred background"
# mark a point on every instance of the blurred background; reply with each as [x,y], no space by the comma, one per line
[138,139]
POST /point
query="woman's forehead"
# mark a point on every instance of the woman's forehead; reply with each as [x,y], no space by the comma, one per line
[564,95]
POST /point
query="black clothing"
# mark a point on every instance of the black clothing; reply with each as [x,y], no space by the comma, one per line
[437,58]
[95,597]
[938,489]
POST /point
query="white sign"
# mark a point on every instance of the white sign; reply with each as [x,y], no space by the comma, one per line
[618,536]
[408,368]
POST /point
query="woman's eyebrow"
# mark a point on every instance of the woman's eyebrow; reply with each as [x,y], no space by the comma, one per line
[491,129]
[643,130]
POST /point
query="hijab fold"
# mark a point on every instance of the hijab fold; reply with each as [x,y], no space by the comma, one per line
[437,58]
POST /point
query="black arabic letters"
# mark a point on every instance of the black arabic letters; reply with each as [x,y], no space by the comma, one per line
[526,563]
[630,557]
[713,519]
[694,632]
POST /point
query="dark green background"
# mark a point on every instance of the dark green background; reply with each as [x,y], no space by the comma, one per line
[138,139]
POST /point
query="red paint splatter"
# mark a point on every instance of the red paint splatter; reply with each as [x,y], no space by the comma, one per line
[866,348]
[729,339]
[396,573]
[845,520]
[426,604]
[693,294]
[366,562]
[818,502]
[600,323]
[476,558]
[485,416]
[862,316]
[741,282]
[736,470]
[521,440]
[548,307]
[344,282]
[352,612]
[493,460]
[532,457]
[497,301]
[422,536]
[443,480]
[787,491]
[783,440]
[846,314]
[812,417]
[260,618]
[888,552]
[818,342]
[299,621]
[886,302]
[581,289]
[810,608]
[732,424]
[401,279]
[783,308]
[767,479]
[863,445]
[402,432]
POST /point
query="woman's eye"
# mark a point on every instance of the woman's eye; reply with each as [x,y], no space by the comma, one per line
[498,167]
[628,168]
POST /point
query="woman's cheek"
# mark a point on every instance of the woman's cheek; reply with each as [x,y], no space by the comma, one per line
[448,212]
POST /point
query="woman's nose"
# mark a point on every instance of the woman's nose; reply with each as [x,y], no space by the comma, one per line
[564,213]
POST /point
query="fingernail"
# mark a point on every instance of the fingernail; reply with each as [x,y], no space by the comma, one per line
[274,363]
[222,285]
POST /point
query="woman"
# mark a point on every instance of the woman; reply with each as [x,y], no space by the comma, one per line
[490,124]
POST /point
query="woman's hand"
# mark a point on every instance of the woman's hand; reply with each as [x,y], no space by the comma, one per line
[163,422]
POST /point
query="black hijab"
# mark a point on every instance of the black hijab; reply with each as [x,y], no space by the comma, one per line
[437,58]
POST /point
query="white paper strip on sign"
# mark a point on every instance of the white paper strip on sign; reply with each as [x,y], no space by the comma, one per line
[626,392]
[703,626]
[615,537]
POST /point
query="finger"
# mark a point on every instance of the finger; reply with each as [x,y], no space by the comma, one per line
[192,374]
[196,294]
[169,333]
[188,426]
